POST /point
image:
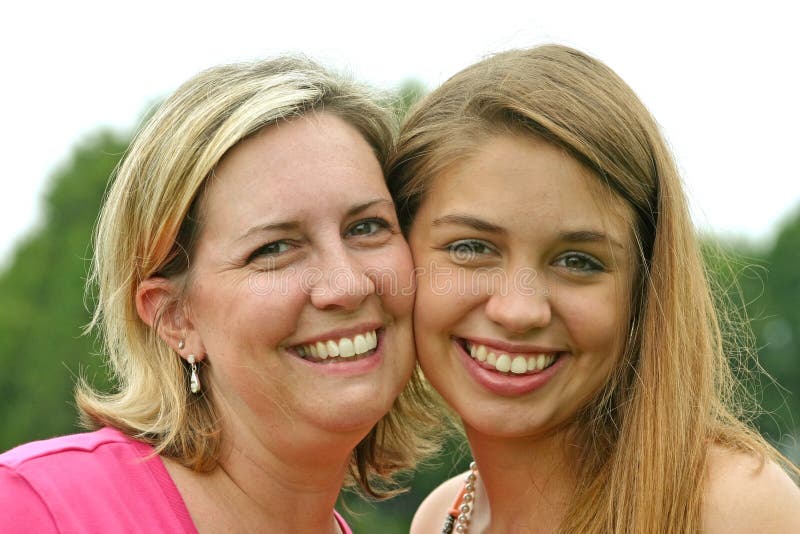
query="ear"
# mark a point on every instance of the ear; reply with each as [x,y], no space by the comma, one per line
[159,305]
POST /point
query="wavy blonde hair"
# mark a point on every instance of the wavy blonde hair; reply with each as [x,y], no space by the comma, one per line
[645,436]
[147,227]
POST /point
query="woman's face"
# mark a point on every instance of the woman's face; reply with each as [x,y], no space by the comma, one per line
[288,293]
[525,280]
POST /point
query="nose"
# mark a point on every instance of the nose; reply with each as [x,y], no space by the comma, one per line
[520,306]
[339,281]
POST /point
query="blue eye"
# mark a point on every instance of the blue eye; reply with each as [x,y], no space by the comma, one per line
[466,250]
[270,249]
[367,227]
[579,262]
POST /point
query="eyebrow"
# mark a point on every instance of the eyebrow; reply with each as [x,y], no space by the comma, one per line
[355,210]
[470,221]
[588,236]
[576,236]
[294,225]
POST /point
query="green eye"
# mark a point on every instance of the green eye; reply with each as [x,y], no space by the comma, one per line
[270,249]
[367,227]
[579,262]
[466,250]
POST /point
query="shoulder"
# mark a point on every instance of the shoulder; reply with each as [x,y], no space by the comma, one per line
[96,478]
[45,451]
[31,473]
[747,494]
[431,514]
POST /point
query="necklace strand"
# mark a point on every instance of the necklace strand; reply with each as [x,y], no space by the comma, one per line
[467,500]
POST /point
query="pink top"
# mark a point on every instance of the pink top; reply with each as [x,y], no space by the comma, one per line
[100,481]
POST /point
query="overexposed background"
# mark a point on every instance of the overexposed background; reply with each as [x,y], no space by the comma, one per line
[720,77]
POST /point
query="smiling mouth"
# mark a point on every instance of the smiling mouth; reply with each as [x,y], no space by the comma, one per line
[511,364]
[345,349]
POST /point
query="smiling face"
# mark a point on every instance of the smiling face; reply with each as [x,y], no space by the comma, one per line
[526,279]
[286,296]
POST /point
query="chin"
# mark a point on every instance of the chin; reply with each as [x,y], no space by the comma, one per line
[359,410]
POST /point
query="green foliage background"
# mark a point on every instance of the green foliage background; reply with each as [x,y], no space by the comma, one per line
[42,314]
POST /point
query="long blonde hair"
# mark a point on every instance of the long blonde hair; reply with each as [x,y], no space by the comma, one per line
[645,436]
[147,227]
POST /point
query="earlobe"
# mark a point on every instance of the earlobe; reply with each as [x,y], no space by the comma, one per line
[157,306]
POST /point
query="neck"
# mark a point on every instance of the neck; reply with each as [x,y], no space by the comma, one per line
[289,480]
[524,485]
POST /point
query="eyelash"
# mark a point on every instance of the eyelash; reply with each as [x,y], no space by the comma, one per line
[284,245]
[593,264]
[381,223]
[474,248]
[263,250]
[465,250]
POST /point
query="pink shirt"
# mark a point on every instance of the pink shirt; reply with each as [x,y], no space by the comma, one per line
[100,481]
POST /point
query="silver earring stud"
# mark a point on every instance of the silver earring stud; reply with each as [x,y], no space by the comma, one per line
[181,344]
[194,381]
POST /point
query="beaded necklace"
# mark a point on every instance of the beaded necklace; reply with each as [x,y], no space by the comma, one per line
[459,515]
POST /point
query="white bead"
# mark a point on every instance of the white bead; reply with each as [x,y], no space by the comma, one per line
[194,384]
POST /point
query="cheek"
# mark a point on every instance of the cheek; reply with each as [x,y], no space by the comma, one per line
[445,297]
[596,322]
[263,310]
[393,274]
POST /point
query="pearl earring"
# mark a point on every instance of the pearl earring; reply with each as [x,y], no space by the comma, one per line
[194,381]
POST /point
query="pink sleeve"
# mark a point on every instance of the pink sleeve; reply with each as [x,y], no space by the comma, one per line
[342,523]
[23,510]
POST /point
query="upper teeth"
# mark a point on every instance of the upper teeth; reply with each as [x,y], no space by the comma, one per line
[516,363]
[345,347]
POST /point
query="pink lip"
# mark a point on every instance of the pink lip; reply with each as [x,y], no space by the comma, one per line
[509,385]
[349,366]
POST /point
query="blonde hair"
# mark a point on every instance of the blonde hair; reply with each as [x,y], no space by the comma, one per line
[645,436]
[147,226]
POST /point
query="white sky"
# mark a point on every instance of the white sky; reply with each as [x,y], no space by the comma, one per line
[721,79]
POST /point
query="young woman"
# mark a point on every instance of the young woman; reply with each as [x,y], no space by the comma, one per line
[564,313]
[240,259]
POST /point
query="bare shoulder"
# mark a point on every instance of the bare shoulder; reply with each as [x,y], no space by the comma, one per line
[431,514]
[746,494]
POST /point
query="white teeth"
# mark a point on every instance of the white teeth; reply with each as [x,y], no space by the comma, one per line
[503,363]
[519,365]
[344,347]
[372,342]
[333,348]
[360,344]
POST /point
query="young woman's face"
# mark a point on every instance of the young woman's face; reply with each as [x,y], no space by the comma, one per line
[288,291]
[525,278]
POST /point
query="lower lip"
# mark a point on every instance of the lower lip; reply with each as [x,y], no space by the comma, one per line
[350,366]
[509,385]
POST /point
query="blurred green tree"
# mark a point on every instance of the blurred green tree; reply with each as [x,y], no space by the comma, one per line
[42,310]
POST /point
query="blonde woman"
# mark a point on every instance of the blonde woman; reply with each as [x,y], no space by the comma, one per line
[241,259]
[564,314]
